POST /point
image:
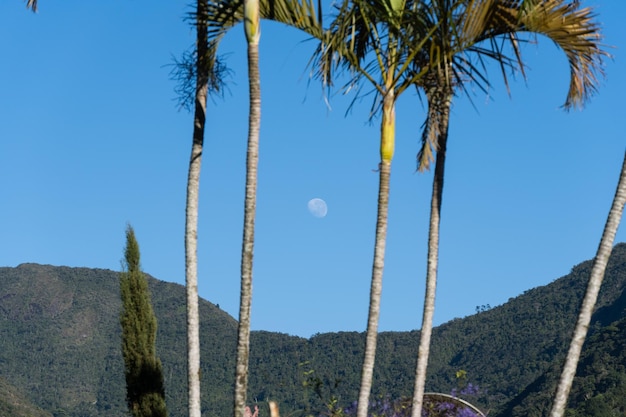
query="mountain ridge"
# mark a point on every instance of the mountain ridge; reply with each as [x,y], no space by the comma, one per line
[62,323]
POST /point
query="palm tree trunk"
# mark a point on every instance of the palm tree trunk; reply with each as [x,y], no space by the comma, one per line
[247,249]
[433,261]
[191,266]
[387,139]
[375,290]
[191,218]
[591,295]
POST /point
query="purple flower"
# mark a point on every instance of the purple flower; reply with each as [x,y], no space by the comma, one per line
[433,407]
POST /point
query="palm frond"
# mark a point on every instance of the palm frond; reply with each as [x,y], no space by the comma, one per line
[438,91]
[32,5]
[368,41]
[572,28]
[575,31]
[490,29]
[183,73]
[222,15]
[219,17]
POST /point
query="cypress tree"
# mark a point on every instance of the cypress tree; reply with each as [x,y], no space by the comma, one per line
[145,392]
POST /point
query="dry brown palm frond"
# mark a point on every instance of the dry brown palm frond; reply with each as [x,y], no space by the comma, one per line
[576,31]
[481,30]
[572,28]
[31,4]
[274,409]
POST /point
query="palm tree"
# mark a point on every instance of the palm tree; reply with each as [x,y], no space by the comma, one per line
[253,33]
[204,66]
[353,36]
[393,60]
[217,18]
[191,226]
[202,85]
[591,295]
[468,32]
[391,33]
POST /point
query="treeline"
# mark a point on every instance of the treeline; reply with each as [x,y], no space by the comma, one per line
[60,349]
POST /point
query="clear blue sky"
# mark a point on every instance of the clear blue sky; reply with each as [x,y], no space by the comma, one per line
[90,139]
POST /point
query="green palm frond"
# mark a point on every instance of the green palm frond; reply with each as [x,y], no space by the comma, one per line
[349,39]
[219,17]
[572,28]
[222,15]
[480,30]
[577,33]
[370,40]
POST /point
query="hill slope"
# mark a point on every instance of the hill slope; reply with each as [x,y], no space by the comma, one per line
[60,345]
[60,339]
[13,403]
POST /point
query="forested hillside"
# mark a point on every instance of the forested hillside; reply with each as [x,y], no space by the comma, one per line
[599,388]
[60,349]
[13,403]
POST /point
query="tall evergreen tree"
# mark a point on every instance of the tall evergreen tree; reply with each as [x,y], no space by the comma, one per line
[145,393]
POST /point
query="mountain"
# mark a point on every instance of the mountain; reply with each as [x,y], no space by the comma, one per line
[13,403]
[60,339]
[599,388]
[60,348]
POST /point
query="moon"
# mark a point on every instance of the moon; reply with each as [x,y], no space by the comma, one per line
[317,207]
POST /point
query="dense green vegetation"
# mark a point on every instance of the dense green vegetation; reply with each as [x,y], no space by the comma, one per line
[13,403]
[60,349]
[599,388]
